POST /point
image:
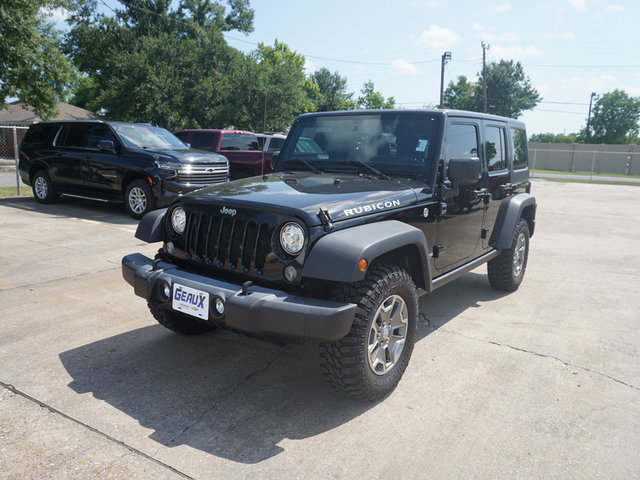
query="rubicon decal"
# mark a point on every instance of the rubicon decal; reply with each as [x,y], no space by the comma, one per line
[372,207]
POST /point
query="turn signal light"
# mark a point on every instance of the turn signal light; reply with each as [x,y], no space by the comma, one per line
[362,264]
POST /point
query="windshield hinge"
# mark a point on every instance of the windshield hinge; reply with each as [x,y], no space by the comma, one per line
[325,219]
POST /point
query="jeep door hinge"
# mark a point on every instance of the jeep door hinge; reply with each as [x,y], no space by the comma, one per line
[437,250]
[325,219]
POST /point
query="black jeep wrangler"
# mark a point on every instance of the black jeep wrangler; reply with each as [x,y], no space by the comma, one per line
[365,212]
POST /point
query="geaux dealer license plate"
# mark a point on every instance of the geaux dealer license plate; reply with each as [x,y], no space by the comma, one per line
[190,301]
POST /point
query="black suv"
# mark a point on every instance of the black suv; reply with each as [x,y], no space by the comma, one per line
[138,164]
[365,212]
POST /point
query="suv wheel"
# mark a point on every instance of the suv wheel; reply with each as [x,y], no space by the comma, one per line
[506,271]
[370,360]
[178,322]
[138,199]
[42,188]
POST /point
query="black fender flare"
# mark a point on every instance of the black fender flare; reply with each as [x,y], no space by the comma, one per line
[150,227]
[335,256]
[509,214]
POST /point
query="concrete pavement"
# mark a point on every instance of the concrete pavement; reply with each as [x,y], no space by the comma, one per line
[540,383]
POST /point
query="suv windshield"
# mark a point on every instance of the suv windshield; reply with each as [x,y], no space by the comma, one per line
[146,136]
[400,144]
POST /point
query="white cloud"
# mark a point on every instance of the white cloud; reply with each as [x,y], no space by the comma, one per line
[615,8]
[558,36]
[405,67]
[514,52]
[438,38]
[56,16]
[601,84]
[578,4]
[501,8]
[427,3]
[544,89]
[490,34]
[309,66]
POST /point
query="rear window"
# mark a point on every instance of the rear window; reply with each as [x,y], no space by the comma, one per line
[239,141]
[202,140]
[275,145]
[519,148]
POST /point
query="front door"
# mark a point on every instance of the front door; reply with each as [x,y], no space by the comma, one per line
[459,230]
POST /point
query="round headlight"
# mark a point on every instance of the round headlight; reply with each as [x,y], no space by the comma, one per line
[178,220]
[292,238]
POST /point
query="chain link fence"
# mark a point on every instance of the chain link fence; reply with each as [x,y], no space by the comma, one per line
[10,138]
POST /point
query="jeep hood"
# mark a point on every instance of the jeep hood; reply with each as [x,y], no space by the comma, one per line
[303,194]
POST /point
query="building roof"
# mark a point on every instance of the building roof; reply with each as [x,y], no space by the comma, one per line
[20,113]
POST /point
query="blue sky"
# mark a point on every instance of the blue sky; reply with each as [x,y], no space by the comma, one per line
[568,48]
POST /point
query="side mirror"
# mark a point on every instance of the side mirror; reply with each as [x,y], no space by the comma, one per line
[107,146]
[274,160]
[463,171]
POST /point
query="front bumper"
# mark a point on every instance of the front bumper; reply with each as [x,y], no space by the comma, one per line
[262,311]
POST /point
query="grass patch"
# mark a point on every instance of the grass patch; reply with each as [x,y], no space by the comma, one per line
[594,181]
[620,175]
[25,191]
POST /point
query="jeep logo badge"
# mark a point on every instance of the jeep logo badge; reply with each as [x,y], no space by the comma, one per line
[228,211]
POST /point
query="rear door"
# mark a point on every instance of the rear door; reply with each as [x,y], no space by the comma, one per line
[68,170]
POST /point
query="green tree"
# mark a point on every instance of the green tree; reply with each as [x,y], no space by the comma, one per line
[371,99]
[32,65]
[509,91]
[169,67]
[554,138]
[331,91]
[614,118]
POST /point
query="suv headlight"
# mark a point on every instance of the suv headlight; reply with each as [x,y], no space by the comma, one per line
[167,164]
[178,220]
[292,238]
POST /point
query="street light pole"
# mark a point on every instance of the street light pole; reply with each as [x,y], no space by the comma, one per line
[485,47]
[593,94]
[446,56]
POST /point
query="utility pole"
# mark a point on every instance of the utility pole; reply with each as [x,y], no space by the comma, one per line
[593,94]
[446,56]
[485,47]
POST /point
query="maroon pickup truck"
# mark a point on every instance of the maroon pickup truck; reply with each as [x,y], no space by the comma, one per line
[241,148]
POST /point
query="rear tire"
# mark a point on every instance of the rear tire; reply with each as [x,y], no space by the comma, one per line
[370,360]
[178,322]
[42,187]
[506,271]
[138,199]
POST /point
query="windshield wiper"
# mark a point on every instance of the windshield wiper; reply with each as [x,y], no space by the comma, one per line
[311,166]
[371,168]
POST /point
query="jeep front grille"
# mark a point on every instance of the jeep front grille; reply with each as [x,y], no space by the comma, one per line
[227,242]
[204,175]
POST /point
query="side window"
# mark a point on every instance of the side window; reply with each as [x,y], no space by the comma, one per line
[100,132]
[495,148]
[181,136]
[202,140]
[520,159]
[275,144]
[76,135]
[462,141]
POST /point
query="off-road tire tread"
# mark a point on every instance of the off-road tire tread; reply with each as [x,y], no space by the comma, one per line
[178,322]
[342,360]
[500,270]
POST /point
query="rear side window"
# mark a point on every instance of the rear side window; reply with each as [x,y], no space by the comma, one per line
[239,141]
[520,159]
[495,148]
[202,140]
[41,134]
[182,136]
[84,135]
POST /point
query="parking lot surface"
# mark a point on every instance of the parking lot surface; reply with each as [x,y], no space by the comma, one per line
[540,383]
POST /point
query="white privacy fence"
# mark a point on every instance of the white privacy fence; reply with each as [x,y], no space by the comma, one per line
[588,158]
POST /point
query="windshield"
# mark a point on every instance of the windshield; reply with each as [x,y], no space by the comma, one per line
[146,136]
[400,144]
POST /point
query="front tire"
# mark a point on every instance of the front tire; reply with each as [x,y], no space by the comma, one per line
[370,360]
[42,187]
[138,199]
[178,322]
[506,271]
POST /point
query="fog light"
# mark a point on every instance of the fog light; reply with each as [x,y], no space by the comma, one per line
[166,289]
[219,306]
[169,248]
[290,273]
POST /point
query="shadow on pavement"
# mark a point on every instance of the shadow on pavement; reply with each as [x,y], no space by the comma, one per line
[229,395]
[73,207]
